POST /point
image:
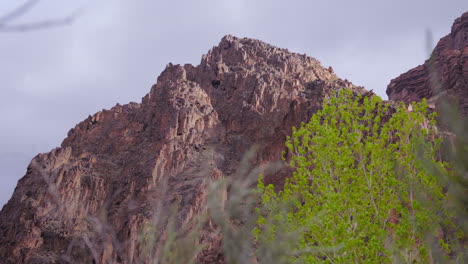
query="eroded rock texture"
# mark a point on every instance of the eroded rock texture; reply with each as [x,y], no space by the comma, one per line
[445,73]
[89,200]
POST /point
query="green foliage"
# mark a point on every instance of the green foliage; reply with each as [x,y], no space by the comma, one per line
[361,191]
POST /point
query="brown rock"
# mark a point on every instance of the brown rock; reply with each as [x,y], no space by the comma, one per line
[90,199]
[445,73]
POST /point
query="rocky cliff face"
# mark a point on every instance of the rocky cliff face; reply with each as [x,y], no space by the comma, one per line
[89,200]
[444,73]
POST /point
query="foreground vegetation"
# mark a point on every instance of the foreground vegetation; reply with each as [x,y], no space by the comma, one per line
[364,188]
[372,183]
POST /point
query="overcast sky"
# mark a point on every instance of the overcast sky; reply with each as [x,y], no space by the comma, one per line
[52,79]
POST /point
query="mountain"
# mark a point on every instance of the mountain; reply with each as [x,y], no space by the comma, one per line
[445,73]
[91,197]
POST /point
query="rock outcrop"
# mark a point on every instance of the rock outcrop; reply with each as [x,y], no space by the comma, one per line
[89,200]
[444,73]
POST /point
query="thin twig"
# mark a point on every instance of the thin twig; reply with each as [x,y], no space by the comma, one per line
[44,24]
[19,11]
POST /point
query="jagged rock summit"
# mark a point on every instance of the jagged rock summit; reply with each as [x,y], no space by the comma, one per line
[89,200]
[445,73]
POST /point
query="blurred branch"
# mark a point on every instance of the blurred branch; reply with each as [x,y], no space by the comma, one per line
[19,11]
[6,26]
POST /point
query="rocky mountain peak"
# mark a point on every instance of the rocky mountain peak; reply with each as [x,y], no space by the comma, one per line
[249,53]
[234,54]
[193,126]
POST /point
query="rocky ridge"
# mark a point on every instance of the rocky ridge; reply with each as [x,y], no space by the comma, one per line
[444,73]
[90,199]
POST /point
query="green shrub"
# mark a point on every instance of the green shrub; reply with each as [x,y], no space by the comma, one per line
[361,191]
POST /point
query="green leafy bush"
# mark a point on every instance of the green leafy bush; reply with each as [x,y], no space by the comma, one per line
[361,191]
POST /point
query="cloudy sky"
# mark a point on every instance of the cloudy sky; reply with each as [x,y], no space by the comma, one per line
[52,79]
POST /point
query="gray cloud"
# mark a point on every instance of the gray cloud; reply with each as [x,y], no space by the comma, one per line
[52,79]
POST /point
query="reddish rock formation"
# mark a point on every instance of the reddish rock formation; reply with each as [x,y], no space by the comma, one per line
[89,200]
[446,72]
